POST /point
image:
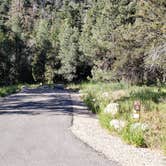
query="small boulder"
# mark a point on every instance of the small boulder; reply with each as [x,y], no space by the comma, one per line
[135,116]
[117,124]
[140,126]
[112,108]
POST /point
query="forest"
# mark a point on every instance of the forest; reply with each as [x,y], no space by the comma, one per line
[49,41]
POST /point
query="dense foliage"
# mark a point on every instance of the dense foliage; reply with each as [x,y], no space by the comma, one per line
[69,40]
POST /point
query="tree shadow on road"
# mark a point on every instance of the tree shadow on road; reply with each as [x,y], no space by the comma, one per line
[53,102]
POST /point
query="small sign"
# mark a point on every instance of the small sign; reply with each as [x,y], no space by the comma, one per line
[137,105]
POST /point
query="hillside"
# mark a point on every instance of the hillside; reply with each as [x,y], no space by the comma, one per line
[53,40]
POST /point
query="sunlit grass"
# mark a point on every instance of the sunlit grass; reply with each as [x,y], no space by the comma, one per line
[153,109]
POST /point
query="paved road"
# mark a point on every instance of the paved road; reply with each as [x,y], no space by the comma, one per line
[34,131]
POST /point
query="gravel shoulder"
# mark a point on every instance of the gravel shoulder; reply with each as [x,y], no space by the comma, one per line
[87,128]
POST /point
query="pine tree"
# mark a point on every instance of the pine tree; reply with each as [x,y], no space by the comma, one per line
[52,60]
[68,51]
[70,39]
[42,47]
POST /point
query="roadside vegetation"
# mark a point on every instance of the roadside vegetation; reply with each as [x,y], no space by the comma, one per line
[153,110]
[7,90]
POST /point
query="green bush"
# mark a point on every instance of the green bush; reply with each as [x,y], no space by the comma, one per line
[92,103]
[6,90]
[134,136]
[105,120]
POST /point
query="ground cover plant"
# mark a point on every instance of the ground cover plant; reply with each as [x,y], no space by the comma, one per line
[6,90]
[153,110]
[10,89]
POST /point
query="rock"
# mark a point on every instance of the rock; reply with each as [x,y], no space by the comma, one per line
[135,115]
[140,126]
[112,108]
[117,124]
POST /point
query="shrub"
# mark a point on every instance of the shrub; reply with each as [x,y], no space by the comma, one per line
[105,120]
[92,103]
[134,136]
[9,90]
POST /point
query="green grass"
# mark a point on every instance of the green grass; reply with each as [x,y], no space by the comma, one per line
[7,90]
[153,109]
[135,137]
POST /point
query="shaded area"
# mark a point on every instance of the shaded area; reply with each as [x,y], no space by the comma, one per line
[42,100]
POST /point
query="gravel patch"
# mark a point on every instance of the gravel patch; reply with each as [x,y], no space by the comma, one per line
[87,128]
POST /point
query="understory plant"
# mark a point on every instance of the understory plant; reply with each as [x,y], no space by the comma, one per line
[153,105]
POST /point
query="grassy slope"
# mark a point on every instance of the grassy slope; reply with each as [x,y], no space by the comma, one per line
[153,110]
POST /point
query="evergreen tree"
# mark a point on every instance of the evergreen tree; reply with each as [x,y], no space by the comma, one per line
[42,47]
[68,51]
[52,60]
[72,39]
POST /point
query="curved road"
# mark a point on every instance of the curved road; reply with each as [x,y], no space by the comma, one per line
[34,131]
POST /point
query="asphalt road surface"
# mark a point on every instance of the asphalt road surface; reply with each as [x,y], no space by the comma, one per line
[34,131]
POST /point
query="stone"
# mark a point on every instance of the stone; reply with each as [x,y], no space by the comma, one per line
[135,116]
[112,108]
[140,126]
[117,124]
